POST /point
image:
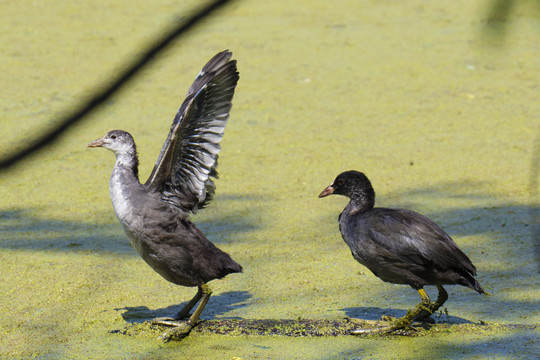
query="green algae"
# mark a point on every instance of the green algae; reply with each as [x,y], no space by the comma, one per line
[413,94]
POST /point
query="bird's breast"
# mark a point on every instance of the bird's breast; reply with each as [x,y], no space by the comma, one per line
[120,199]
[125,191]
[353,235]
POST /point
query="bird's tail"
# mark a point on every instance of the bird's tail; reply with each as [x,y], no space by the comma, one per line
[475,285]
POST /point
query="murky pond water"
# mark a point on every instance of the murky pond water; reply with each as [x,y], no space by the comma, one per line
[441,115]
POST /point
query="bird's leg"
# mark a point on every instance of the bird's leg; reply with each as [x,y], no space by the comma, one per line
[418,311]
[183,329]
[182,314]
[400,323]
[426,305]
[441,298]
[433,307]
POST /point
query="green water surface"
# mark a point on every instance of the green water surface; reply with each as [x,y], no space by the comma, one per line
[440,112]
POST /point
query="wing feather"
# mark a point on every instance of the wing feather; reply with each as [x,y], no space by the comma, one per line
[189,156]
[441,251]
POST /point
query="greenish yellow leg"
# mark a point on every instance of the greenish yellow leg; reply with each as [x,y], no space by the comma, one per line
[441,298]
[407,320]
[403,322]
[183,329]
[433,307]
[184,313]
[206,293]
[424,296]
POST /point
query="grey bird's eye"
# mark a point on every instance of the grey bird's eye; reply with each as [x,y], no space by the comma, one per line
[113,137]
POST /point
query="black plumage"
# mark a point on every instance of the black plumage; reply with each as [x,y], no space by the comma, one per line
[155,215]
[400,246]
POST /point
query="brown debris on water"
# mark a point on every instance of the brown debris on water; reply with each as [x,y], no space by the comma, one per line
[311,328]
[287,327]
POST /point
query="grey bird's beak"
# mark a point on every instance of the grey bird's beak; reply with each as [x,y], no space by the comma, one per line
[328,191]
[96,143]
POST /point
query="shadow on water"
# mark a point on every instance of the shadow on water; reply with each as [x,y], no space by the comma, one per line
[375,313]
[21,229]
[27,229]
[501,304]
[217,306]
[518,344]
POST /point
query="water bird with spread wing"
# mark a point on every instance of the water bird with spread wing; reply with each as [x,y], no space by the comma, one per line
[155,215]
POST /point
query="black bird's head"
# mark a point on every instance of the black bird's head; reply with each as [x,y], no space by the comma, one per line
[352,184]
[118,141]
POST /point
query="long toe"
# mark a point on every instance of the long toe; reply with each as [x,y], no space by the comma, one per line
[400,325]
[177,333]
[374,330]
[387,325]
[363,322]
[366,327]
[167,321]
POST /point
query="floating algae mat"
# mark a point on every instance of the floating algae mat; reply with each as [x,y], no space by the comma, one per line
[315,328]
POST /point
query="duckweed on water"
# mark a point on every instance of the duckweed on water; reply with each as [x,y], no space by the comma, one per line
[441,116]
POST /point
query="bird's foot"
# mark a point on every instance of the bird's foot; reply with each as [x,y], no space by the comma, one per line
[167,321]
[386,325]
[426,312]
[374,330]
[178,332]
[362,322]
[370,326]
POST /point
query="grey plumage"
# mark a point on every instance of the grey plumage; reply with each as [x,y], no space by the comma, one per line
[186,165]
[155,215]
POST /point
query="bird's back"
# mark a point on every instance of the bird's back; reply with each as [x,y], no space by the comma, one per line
[402,246]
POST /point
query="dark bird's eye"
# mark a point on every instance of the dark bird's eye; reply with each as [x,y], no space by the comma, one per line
[340,182]
[113,137]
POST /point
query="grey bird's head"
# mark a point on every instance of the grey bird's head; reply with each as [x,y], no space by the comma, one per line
[118,141]
[123,146]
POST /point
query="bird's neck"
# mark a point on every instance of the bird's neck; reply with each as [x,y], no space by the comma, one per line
[128,161]
[360,203]
[124,186]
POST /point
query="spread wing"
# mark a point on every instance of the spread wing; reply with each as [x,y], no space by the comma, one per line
[188,158]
